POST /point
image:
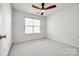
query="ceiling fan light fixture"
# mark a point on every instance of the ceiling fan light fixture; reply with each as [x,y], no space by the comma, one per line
[43,11]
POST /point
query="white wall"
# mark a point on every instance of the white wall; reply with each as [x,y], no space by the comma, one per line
[0,30]
[6,13]
[64,26]
[18,27]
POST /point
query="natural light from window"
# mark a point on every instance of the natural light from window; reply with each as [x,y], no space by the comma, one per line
[32,26]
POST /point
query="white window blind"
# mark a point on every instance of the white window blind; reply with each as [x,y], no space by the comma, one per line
[32,25]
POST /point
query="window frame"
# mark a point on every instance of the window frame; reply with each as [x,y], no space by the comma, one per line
[32,26]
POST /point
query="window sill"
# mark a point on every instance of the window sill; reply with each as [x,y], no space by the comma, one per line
[32,33]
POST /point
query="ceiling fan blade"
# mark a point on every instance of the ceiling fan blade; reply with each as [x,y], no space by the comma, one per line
[52,6]
[42,13]
[36,7]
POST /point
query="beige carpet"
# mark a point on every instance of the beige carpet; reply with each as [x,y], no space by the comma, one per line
[43,47]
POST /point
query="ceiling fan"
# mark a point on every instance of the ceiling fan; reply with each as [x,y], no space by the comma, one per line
[43,7]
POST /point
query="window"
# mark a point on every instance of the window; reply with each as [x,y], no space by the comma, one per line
[32,25]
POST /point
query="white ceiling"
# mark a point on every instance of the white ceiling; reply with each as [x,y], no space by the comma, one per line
[27,7]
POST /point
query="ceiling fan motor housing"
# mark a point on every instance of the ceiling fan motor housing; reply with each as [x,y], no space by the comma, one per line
[43,5]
